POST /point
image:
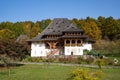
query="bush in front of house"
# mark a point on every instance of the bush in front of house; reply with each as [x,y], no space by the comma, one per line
[89,60]
[100,63]
[85,74]
[33,59]
[80,60]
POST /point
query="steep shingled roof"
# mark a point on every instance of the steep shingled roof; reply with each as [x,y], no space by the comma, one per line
[57,27]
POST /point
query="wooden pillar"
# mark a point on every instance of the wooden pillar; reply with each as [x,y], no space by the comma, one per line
[52,45]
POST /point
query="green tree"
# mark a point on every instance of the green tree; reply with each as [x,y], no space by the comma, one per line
[76,22]
[6,25]
[45,23]
[117,36]
[18,29]
[101,24]
[109,27]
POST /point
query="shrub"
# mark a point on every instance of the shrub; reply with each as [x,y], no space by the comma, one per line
[37,59]
[33,59]
[85,74]
[63,60]
[100,62]
[89,60]
[50,60]
[28,59]
[107,61]
[80,60]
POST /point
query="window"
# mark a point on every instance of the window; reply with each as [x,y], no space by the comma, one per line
[35,52]
[79,50]
[68,50]
[35,44]
[79,41]
[73,41]
[67,41]
[40,45]
[41,52]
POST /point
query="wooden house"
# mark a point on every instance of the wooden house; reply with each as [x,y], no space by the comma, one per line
[60,38]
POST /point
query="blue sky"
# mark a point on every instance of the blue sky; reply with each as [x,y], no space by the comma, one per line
[36,10]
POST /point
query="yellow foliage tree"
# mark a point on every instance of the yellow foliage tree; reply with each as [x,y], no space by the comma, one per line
[91,29]
[6,34]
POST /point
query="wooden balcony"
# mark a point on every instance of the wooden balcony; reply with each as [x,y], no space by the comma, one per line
[67,45]
[79,44]
[74,44]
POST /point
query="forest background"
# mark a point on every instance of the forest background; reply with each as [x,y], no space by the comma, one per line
[105,31]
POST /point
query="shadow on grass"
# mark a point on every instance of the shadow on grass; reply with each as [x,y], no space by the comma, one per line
[11,65]
[7,69]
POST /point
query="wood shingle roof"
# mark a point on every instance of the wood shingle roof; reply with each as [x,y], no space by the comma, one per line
[57,27]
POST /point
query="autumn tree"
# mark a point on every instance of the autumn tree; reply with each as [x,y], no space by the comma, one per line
[6,34]
[11,51]
[36,29]
[91,29]
[28,27]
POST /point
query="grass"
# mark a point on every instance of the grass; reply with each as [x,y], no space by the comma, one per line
[111,74]
[37,72]
[112,58]
[49,72]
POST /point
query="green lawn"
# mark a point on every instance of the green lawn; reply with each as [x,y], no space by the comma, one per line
[111,74]
[48,72]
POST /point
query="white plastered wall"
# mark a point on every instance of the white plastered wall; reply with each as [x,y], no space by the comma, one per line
[76,50]
[87,46]
[37,49]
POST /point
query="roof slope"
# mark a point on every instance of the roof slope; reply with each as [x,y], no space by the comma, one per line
[72,28]
[57,27]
